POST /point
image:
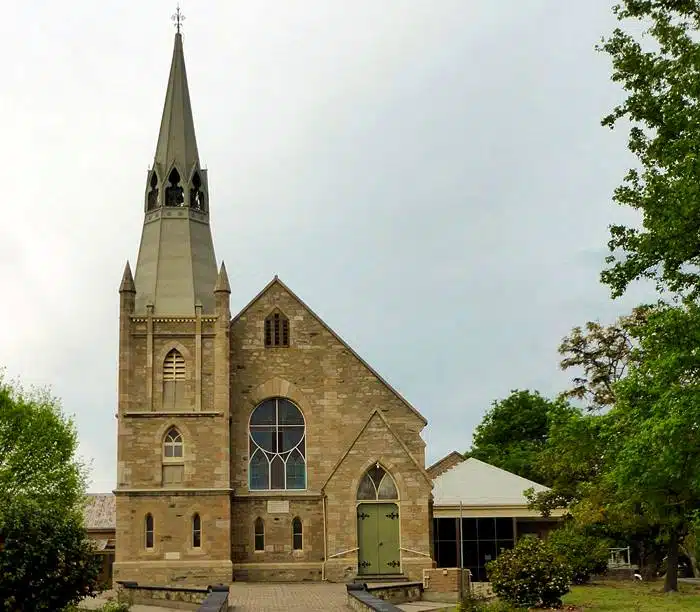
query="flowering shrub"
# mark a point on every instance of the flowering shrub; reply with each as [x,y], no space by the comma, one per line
[531,574]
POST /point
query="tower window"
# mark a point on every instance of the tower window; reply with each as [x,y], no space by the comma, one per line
[172,446]
[259,534]
[196,193]
[296,534]
[173,381]
[196,531]
[149,531]
[153,192]
[276,330]
[174,194]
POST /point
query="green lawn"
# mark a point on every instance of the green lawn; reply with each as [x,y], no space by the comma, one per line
[633,597]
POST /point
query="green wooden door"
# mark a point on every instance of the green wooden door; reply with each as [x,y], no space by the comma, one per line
[378,538]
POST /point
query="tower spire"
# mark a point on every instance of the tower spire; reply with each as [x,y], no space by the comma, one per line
[177,143]
[176,266]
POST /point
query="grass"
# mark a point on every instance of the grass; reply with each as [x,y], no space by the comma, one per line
[633,597]
[625,596]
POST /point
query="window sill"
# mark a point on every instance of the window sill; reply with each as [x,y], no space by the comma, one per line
[290,493]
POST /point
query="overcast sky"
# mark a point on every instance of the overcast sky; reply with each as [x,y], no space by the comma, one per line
[430,176]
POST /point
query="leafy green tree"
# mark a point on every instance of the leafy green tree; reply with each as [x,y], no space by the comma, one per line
[513,432]
[658,68]
[583,553]
[653,428]
[46,561]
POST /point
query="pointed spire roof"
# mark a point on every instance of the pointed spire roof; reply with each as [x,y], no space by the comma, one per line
[127,284]
[222,283]
[177,143]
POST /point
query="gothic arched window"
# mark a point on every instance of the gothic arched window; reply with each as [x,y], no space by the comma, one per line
[196,193]
[173,458]
[297,534]
[174,194]
[376,485]
[196,531]
[277,446]
[173,381]
[259,534]
[153,192]
[276,330]
[148,524]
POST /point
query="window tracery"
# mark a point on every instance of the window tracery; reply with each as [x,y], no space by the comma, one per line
[277,446]
[377,485]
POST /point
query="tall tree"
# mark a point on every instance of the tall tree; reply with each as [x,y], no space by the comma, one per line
[653,428]
[513,432]
[46,561]
[659,70]
[604,353]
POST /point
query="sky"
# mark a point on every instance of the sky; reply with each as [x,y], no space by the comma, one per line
[431,177]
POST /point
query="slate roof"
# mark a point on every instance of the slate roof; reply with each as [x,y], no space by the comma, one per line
[475,483]
[100,511]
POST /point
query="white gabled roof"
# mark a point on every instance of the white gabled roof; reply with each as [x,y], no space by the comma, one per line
[475,483]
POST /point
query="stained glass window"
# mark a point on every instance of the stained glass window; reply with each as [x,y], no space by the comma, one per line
[277,446]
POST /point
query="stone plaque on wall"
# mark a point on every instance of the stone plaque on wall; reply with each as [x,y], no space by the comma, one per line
[278,506]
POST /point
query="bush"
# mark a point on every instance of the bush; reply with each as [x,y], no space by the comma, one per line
[531,574]
[585,555]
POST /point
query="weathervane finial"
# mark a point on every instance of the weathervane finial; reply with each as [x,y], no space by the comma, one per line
[178,18]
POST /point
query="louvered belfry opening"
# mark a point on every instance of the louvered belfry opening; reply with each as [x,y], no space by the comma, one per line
[276,330]
[174,381]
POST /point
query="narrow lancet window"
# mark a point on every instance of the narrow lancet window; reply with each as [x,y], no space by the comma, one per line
[196,193]
[259,534]
[153,192]
[174,194]
[149,531]
[196,531]
[296,534]
[276,330]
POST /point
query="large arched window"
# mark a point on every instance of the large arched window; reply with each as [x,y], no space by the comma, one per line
[149,531]
[173,381]
[277,446]
[377,485]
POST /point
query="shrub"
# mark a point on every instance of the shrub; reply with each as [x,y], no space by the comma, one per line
[531,574]
[584,554]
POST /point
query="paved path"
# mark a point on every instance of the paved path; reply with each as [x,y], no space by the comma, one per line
[279,597]
[290,597]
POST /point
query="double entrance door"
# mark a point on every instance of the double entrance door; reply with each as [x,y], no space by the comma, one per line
[378,538]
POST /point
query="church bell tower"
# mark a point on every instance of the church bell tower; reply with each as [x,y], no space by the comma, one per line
[173,475]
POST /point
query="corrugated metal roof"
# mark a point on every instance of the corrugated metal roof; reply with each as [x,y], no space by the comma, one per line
[475,483]
[100,511]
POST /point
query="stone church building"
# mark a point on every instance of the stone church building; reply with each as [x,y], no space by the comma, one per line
[257,446]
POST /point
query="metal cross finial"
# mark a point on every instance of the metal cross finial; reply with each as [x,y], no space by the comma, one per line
[178,18]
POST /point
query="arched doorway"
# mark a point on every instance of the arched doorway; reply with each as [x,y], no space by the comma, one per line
[378,523]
